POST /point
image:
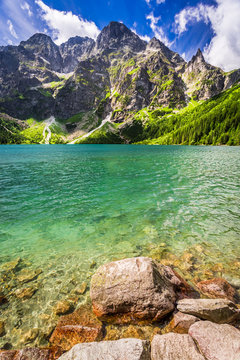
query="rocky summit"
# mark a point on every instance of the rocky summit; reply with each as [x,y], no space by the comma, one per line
[118,83]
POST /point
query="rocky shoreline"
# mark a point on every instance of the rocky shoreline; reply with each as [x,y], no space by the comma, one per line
[142,309]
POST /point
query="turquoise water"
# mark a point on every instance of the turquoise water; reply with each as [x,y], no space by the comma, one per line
[65,208]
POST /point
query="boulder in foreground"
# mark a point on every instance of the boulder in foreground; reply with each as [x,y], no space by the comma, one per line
[130,349]
[174,347]
[217,310]
[218,288]
[216,342]
[131,289]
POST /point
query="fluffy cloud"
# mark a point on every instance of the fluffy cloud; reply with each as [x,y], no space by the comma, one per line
[11,29]
[224,48]
[190,15]
[14,21]
[143,37]
[157,30]
[65,24]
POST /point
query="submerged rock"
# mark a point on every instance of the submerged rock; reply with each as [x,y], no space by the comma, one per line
[32,354]
[131,349]
[144,332]
[2,328]
[216,342]
[12,265]
[81,289]
[218,288]
[174,347]
[216,310]
[181,323]
[131,289]
[63,307]
[78,327]
[30,336]
[27,275]
[25,293]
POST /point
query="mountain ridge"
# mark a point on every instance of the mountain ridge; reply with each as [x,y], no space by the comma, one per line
[86,80]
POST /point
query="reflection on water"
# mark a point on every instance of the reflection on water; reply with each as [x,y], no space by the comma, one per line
[67,209]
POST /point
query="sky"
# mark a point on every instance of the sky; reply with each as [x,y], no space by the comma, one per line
[182,25]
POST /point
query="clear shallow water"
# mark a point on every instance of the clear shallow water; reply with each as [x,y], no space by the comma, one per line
[65,207]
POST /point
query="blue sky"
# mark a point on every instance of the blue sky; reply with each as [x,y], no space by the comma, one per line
[184,26]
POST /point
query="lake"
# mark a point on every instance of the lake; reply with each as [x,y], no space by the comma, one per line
[66,209]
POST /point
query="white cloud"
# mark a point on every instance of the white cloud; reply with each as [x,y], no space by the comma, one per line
[157,30]
[224,48]
[190,15]
[65,24]
[143,37]
[157,1]
[11,29]
[26,6]
[11,10]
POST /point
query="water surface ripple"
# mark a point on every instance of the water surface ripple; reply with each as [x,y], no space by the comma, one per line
[63,207]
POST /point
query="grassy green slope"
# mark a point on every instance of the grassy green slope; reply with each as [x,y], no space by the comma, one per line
[10,130]
[214,122]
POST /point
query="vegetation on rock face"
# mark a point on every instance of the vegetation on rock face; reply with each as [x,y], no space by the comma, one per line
[214,122]
[10,130]
[108,134]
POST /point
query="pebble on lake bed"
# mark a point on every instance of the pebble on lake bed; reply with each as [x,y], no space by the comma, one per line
[63,307]
[25,293]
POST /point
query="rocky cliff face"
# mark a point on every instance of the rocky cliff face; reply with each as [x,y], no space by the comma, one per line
[75,50]
[119,73]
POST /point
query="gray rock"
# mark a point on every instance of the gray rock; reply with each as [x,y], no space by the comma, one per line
[216,342]
[131,289]
[74,50]
[181,322]
[131,349]
[174,347]
[216,310]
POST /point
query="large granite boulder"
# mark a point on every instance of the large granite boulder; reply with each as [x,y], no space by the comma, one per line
[174,347]
[131,289]
[130,349]
[216,342]
[218,288]
[217,310]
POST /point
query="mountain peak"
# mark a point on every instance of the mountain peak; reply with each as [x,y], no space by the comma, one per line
[116,35]
[37,39]
[198,57]
[45,50]
[154,43]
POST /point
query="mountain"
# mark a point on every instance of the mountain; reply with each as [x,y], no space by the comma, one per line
[83,81]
